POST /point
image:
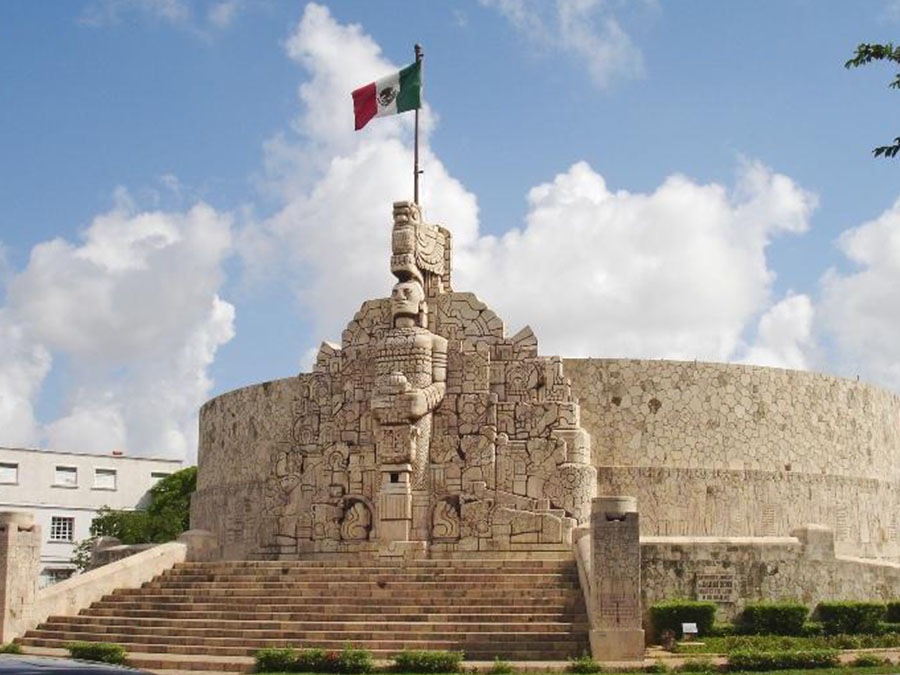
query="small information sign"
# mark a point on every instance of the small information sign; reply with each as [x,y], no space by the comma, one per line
[689,630]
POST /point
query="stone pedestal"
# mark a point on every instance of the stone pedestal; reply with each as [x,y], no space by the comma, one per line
[20,556]
[616,633]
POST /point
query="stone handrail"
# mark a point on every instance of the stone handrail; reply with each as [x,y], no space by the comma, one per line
[69,597]
[582,548]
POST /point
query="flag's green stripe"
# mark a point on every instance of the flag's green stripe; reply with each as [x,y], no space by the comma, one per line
[410,96]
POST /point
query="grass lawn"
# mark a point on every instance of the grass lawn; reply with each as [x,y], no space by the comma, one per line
[724,645]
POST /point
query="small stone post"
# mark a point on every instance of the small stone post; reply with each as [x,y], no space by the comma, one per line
[616,633]
[20,557]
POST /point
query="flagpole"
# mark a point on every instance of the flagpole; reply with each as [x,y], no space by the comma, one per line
[419,55]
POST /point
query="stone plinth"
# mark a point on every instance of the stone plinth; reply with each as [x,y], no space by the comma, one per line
[20,554]
[616,633]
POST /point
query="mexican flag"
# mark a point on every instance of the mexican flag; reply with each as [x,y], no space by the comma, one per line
[395,93]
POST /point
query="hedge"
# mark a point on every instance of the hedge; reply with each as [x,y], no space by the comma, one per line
[272,660]
[773,618]
[851,617]
[286,660]
[764,661]
[104,652]
[893,612]
[671,614]
[415,661]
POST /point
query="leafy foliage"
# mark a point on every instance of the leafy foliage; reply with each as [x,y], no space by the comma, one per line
[286,660]
[770,618]
[103,652]
[865,54]
[501,667]
[671,614]
[415,661]
[765,661]
[704,665]
[584,664]
[10,648]
[893,612]
[869,661]
[274,660]
[781,643]
[167,516]
[851,617]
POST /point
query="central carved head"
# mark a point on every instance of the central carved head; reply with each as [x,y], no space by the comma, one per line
[407,299]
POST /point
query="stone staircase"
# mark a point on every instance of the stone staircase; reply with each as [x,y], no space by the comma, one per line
[519,610]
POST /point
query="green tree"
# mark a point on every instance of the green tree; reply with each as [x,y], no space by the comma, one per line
[865,54]
[166,516]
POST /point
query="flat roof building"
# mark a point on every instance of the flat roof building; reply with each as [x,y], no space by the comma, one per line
[65,490]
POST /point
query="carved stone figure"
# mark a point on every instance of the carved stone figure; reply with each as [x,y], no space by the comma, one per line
[459,437]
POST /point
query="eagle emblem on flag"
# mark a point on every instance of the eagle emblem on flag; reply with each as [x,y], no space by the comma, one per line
[386,95]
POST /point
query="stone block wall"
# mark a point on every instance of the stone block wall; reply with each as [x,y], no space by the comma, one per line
[736,570]
[731,450]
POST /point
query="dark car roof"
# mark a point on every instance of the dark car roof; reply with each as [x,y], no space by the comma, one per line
[39,665]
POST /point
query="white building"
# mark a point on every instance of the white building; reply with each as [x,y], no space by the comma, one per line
[65,490]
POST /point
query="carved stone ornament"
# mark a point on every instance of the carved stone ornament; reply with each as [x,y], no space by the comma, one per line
[460,436]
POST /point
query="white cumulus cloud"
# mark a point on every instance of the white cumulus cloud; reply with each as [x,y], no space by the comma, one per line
[134,310]
[860,308]
[677,273]
[587,30]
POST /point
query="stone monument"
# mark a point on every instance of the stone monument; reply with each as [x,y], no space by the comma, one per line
[426,429]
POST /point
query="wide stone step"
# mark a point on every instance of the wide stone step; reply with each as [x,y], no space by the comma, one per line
[348,613]
[385,563]
[486,645]
[335,630]
[501,581]
[151,617]
[428,595]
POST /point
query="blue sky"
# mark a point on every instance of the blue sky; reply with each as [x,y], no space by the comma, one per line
[185,209]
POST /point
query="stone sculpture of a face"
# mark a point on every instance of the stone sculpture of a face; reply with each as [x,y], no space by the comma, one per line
[406,299]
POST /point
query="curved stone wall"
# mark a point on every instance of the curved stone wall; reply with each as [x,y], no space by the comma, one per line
[707,449]
[731,450]
[240,435]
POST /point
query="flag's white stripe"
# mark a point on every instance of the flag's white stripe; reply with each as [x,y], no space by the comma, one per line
[381,86]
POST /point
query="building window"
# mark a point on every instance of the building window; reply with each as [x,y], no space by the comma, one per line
[54,576]
[9,472]
[62,528]
[156,476]
[66,476]
[104,479]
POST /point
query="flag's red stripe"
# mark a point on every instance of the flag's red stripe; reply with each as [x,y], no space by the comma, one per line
[364,105]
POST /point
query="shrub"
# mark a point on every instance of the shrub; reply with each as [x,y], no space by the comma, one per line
[704,665]
[501,667]
[764,661]
[353,661]
[892,611]
[271,660]
[656,667]
[812,629]
[583,664]
[851,617]
[671,614]
[868,661]
[97,651]
[888,628]
[773,618]
[723,629]
[10,648]
[414,661]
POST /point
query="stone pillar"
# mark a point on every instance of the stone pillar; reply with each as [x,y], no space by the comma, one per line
[20,558]
[616,633]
